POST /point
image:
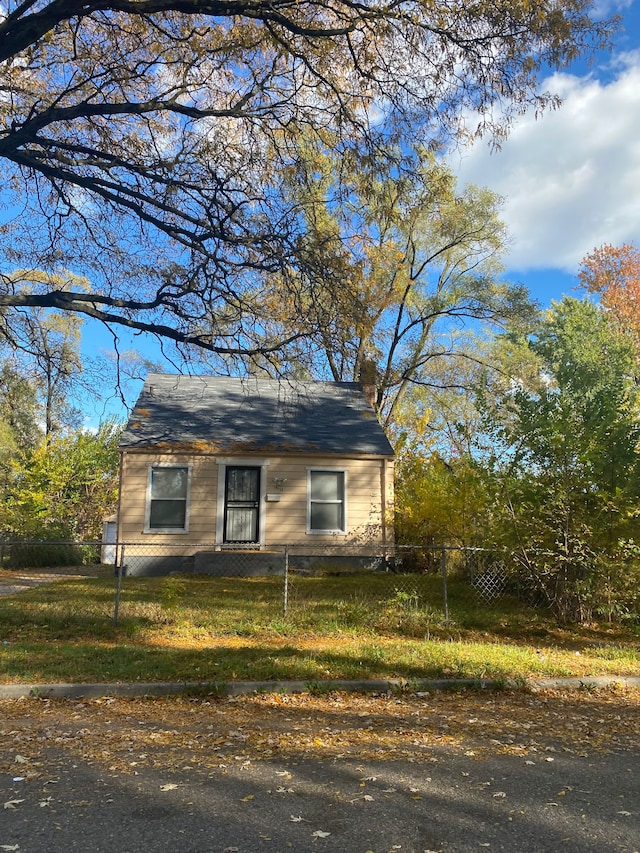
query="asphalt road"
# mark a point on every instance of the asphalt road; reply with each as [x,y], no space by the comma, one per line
[445,802]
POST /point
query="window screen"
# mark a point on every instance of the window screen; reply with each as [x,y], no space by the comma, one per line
[168,509]
[326,501]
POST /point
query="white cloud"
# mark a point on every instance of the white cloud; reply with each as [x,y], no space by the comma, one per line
[571,179]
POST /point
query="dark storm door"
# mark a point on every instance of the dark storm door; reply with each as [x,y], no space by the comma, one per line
[242,504]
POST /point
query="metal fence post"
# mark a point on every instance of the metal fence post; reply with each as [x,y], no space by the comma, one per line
[443,572]
[285,601]
[120,567]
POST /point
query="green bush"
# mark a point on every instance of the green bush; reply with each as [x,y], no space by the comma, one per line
[22,555]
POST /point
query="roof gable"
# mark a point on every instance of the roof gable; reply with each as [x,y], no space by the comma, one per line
[224,414]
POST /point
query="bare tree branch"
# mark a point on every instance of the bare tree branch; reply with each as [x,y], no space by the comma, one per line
[147,144]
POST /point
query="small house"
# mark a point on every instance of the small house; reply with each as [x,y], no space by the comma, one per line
[221,475]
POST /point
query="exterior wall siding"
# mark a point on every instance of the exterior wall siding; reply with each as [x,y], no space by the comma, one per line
[285,508]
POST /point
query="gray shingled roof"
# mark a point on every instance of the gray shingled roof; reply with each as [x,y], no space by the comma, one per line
[212,413]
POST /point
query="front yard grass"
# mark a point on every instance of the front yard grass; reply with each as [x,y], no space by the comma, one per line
[352,627]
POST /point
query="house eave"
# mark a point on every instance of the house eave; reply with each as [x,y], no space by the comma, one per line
[199,448]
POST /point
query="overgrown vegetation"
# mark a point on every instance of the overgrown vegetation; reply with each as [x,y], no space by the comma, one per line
[545,465]
[57,481]
[218,629]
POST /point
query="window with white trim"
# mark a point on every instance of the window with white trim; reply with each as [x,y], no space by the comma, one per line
[327,512]
[168,496]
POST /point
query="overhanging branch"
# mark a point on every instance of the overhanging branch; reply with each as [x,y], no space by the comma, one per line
[86,304]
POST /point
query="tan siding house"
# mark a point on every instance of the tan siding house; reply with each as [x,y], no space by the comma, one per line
[215,465]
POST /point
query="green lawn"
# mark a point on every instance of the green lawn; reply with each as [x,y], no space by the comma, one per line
[357,626]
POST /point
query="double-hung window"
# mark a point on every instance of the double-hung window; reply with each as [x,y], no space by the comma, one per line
[327,510]
[168,496]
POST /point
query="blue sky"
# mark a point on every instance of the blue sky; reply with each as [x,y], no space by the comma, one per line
[570,179]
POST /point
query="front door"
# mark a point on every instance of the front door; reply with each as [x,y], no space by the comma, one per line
[242,504]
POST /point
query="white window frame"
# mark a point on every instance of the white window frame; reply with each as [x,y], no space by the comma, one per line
[320,469]
[187,509]
[241,462]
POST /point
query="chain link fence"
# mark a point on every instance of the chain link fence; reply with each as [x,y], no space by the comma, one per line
[345,586]
[63,585]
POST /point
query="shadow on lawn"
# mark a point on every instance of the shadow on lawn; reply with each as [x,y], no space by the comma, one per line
[65,632]
[99,662]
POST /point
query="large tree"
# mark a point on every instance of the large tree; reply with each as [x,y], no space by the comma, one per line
[565,459]
[143,141]
[44,346]
[20,409]
[613,274]
[64,488]
[393,273]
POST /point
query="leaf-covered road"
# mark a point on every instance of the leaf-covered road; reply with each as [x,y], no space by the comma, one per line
[495,771]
